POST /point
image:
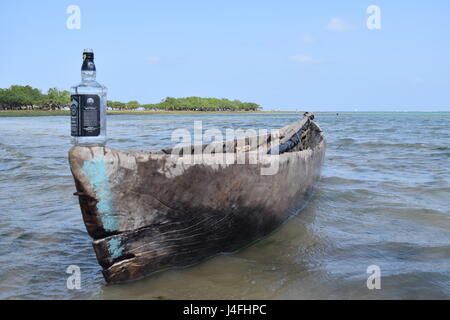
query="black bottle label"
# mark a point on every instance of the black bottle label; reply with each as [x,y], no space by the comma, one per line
[85,115]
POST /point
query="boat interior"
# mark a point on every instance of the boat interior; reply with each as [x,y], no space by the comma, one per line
[301,135]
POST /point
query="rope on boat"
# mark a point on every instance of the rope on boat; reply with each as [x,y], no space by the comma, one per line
[295,139]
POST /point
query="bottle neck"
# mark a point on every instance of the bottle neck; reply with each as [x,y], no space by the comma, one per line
[88,75]
[88,68]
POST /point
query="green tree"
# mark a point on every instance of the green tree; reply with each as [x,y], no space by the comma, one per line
[116,105]
[19,97]
[56,99]
[133,105]
[204,104]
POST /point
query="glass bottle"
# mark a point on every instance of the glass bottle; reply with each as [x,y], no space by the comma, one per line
[88,106]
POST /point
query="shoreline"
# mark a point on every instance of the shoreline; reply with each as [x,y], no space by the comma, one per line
[47,113]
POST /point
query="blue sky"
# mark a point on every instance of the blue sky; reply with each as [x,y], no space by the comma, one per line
[286,55]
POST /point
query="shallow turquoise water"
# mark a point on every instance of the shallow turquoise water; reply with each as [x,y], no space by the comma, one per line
[383,199]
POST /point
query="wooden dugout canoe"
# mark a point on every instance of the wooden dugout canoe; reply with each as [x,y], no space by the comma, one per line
[152,210]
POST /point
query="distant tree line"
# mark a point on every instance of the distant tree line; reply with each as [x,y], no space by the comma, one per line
[188,104]
[29,98]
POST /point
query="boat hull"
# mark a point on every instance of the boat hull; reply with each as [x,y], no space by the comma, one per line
[150,211]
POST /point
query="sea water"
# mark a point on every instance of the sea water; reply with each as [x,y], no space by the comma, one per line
[383,200]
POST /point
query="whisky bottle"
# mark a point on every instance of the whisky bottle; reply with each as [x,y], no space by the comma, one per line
[88,106]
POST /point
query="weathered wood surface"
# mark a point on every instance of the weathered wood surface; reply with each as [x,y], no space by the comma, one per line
[148,211]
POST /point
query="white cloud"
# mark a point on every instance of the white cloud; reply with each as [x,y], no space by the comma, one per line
[153,59]
[303,59]
[337,24]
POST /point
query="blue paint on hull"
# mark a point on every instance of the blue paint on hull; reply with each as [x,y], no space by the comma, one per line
[114,248]
[97,174]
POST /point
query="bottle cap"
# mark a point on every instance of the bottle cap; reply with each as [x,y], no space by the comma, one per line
[88,60]
[88,54]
